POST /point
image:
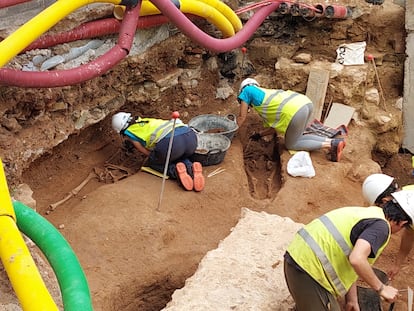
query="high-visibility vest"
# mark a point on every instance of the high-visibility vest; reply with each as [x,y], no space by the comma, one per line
[322,247]
[279,107]
[152,130]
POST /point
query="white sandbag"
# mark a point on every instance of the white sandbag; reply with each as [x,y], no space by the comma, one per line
[351,53]
[300,165]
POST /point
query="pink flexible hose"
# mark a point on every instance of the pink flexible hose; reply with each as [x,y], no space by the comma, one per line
[215,45]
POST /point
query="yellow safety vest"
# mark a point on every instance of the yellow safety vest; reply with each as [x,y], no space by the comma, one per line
[152,130]
[322,247]
[279,107]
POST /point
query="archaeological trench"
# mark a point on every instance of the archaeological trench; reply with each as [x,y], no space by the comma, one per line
[62,132]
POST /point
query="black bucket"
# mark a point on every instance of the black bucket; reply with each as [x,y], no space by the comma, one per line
[215,124]
[211,149]
[368,298]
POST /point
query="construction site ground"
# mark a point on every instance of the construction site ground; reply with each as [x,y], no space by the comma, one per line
[135,252]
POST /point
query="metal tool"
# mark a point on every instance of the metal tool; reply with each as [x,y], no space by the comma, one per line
[371,58]
[216,171]
[243,50]
[175,116]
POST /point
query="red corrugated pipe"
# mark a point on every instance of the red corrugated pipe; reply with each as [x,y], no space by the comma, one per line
[7,3]
[82,73]
[93,29]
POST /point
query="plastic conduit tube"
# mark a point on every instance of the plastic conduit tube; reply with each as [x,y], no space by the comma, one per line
[81,73]
[199,8]
[93,29]
[17,260]
[39,24]
[56,78]
[215,45]
[226,11]
[68,271]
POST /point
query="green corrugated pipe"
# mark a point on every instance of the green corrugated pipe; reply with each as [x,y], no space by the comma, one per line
[72,281]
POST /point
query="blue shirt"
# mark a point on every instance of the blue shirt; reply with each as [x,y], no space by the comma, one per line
[252,95]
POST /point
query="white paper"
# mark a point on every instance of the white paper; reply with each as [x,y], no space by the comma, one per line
[351,53]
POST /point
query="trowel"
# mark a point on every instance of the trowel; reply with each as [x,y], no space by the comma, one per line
[409,299]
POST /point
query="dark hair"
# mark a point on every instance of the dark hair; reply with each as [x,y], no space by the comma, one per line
[393,211]
[386,193]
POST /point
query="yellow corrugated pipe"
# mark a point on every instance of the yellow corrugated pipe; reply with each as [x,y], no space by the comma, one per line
[199,8]
[17,260]
[226,11]
[42,22]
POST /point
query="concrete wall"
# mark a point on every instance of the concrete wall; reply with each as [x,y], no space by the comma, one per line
[408,107]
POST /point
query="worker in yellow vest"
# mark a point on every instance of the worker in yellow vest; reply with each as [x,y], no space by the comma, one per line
[327,256]
[151,137]
[376,190]
[287,113]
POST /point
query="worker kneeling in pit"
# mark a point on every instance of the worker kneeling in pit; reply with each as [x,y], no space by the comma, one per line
[328,255]
[287,113]
[151,137]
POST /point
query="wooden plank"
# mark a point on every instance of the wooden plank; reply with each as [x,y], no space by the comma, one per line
[147,169]
[339,114]
[316,90]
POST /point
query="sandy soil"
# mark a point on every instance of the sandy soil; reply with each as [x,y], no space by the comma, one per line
[134,255]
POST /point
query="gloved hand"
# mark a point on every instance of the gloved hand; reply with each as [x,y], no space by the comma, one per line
[128,146]
[255,136]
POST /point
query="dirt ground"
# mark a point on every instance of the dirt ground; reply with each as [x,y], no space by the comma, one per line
[135,256]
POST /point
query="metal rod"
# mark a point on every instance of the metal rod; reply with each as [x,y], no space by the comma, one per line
[167,159]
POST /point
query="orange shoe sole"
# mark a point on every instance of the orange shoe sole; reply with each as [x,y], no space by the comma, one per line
[199,181]
[337,152]
[185,179]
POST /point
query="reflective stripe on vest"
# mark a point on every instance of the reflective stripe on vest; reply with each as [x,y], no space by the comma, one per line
[165,129]
[325,233]
[329,269]
[267,102]
[280,108]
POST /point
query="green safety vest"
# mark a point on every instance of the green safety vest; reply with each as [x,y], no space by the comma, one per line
[279,107]
[322,247]
[153,130]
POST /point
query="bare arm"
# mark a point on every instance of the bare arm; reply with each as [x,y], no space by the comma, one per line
[351,299]
[267,131]
[407,241]
[242,113]
[140,147]
[359,261]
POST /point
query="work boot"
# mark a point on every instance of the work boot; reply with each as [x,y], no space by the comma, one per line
[337,146]
[182,176]
[199,181]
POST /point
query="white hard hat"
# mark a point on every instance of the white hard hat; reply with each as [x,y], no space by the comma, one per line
[374,185]
[120,121]
[405,199]
[246,82]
